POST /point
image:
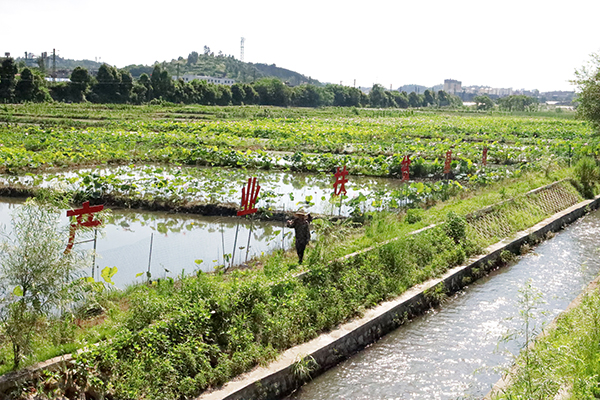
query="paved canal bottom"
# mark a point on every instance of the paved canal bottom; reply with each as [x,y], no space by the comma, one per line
[456,351]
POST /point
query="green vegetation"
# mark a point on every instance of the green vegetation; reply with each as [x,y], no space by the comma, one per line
[219,65]
[588,176]
[565,361]
[110,85]
[366,145]
[587,80]
[199,331]
[174,338]
[36,277]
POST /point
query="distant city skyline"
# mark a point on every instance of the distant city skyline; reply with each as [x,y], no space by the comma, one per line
[528,44]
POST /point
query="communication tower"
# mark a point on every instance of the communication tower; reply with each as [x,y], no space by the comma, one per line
[242,50]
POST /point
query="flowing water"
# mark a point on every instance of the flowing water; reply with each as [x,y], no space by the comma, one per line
[168,244]
[456,351]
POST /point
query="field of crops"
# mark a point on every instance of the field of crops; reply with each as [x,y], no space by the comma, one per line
[295,140]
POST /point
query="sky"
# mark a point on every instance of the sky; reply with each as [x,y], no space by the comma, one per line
[515,44]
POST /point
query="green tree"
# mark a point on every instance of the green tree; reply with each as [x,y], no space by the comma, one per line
[31,87]
[483,102]
[237,94]
[162,84]
[192,58]
[273,92]
[339,94]
[377,97]
[443,99]
[401,99]
[125,85]
[80,84]
[8,71]
[223,95]
[147,84]
[251,95]
[414,100]
[311,96]
[587,80]
[59,91]
[36,276]
[429,98]
[106,89]
[518,103]
[455,101]
[344,96]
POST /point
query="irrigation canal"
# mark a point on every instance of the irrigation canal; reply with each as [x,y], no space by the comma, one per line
[456,351]
[167,244]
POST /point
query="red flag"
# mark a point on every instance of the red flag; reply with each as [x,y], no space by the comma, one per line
[88,221]
[339,186]
[249,196]
[448,163]
[405,168]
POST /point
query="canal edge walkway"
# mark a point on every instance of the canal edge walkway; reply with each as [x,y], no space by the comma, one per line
[282,376]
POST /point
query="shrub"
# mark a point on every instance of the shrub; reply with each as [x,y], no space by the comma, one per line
[36,276]
[588,175]
[455,227]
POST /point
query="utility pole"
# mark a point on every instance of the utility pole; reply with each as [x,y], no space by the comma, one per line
[177,71]
[242,50]
[354,82]
[42,64]
[54,65]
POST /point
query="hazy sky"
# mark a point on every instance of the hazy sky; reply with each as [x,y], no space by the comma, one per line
[510,43]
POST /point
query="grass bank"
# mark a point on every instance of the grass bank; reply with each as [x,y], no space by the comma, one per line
[563,363]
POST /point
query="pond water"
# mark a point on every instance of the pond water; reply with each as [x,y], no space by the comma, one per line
[279,190]
[168,244]
[455,351]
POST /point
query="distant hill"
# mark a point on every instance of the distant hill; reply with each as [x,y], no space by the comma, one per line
[209,64]
[223,66]
[64,66]
[419,88]
[286,75]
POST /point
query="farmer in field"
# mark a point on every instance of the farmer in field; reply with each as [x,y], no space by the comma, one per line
[301,225]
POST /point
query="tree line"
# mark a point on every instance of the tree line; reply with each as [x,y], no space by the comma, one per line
[509,103]
[112,85]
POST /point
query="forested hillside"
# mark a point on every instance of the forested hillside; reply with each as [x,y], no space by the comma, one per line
[222,66]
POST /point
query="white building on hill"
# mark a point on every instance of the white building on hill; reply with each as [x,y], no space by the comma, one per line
[209,79]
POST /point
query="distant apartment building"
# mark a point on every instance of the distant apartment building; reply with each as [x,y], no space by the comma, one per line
[452,86]
[209,79]
[489,91]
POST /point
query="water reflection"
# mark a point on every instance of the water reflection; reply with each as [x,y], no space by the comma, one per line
[178,241]
[279,190]
[452,352]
